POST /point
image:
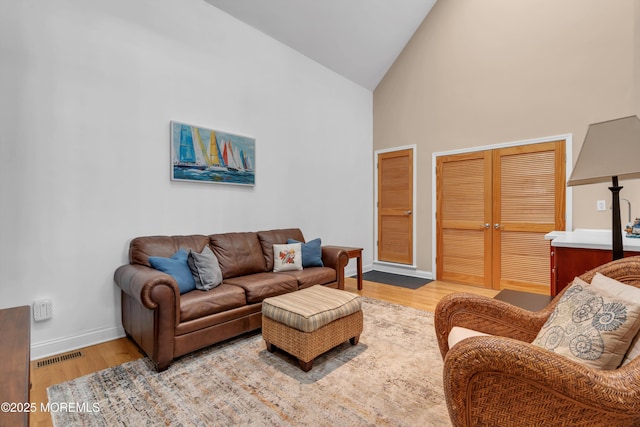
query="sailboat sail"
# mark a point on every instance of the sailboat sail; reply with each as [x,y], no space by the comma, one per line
[225,154]
[249,165]
[243,159]
[187,154]
[230,157]
[215,157]
[199,148]
[237,159]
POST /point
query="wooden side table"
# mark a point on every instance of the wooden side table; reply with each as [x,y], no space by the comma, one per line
[354,253]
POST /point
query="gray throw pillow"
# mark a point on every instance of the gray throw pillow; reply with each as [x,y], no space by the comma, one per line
[205,269]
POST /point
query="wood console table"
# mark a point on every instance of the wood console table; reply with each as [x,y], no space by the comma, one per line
[15,346]
[354,253]
[576,252]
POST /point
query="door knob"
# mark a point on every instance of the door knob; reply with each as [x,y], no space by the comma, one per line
[407,212]
[487,225]
[496,226]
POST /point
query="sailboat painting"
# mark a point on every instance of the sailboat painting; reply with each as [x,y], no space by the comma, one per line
[211,156]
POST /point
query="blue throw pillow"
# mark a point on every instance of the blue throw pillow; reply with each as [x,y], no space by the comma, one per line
[177,267]
[311,253]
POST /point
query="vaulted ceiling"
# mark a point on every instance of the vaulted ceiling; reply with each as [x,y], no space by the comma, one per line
[358,39]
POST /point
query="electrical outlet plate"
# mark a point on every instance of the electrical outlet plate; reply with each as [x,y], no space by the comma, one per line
[601,205]
[42,310]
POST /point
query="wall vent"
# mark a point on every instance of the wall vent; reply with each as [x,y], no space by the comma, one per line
[56,359]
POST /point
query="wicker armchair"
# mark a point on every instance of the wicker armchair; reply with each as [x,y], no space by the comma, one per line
[503,380]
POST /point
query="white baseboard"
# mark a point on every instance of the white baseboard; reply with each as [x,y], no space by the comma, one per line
[406,270]
[66,344]
[387,267]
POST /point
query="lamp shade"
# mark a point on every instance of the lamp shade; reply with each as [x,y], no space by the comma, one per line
[609,149]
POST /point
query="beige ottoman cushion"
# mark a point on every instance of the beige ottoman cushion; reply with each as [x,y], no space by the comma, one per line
[311,308]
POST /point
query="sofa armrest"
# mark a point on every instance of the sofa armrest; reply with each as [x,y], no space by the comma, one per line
[336,258]
[153,289]
[487,315]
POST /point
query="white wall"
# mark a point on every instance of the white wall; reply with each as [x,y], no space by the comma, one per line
[87,91]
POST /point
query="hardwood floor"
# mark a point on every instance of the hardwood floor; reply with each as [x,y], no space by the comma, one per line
[424,298]
[93,359]
[116,352]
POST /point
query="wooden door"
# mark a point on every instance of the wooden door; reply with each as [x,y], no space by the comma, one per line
[395,206]
[528,202]
[463,232]
[493,209]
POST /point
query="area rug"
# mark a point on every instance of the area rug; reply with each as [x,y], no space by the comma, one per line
[400,280]
[392,377]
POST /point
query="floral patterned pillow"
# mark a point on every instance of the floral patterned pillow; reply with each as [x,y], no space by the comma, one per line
[593,323]
[287,257]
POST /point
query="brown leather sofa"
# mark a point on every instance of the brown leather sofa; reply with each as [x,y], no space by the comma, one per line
[167,325]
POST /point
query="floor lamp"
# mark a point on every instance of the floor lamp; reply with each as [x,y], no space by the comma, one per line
[608,154]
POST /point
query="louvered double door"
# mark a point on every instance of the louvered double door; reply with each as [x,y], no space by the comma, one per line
[493,209]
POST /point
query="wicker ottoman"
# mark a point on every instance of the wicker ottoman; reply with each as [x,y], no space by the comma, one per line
[311,321]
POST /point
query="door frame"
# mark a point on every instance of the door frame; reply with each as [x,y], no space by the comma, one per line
[568,168]
[392,267]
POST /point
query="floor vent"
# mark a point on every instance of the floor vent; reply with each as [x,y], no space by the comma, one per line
[56,359]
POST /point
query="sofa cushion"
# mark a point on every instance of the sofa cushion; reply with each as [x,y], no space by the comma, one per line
[141,248]
[177,267]
[205,269]
[238,254]
[287,257]
[311,252]
[312,276]
[593,323]
[263,285]
[197,303]
[276,237]
[223,322]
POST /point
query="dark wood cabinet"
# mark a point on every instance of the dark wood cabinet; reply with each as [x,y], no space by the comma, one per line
[568,262]
[15,347]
